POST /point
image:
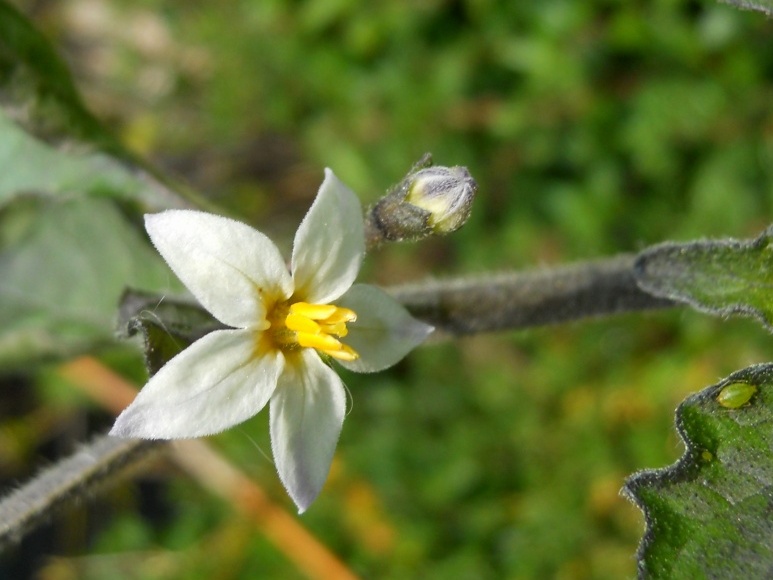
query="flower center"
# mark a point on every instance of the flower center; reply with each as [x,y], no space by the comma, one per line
[319,326]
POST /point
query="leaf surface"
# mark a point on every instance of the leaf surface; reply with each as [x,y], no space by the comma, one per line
[63,268]
[721,277]
[71,200]
[708,515]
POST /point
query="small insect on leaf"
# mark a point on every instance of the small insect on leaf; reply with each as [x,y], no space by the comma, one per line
[736,395]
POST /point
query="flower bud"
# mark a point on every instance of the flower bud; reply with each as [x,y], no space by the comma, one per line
[428,201]
[446,193]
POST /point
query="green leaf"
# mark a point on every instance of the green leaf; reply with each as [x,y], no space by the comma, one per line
[708,515]
[44,124]
[167,325]
[63,267]
[719,277]
[71,199]
[765,6]
[36,89]
[29,165]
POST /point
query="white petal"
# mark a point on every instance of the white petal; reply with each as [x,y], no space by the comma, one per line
[329,244]
[212,385]
[227,265]
[307,412]
[383,333]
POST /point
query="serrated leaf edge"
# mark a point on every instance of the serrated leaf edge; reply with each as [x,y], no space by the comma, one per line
[682,469]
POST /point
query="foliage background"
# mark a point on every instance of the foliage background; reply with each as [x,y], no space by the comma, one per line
[592,128]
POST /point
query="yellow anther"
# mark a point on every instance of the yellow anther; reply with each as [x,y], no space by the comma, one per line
[320,341]
[300,323]
[313,311]
[317,326]
[346,353]
[339,329]
[341,315]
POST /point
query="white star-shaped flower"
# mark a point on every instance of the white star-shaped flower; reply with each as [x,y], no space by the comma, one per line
[281,321]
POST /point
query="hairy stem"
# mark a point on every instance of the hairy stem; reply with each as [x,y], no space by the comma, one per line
[455,307]
[72,479]
[519,300]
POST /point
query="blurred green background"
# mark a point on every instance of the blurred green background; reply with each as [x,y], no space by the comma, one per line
[592,128]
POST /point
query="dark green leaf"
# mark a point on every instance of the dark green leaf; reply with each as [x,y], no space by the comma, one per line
[708,515]
[719,277]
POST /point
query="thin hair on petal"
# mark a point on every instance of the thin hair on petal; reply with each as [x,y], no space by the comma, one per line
[256,445]
[349,397]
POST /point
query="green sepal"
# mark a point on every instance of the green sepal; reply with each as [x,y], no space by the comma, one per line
[167,325]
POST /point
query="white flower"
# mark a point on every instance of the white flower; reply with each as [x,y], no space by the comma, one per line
[281,322]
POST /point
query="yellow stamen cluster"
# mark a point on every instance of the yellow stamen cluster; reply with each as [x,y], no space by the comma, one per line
[316,326]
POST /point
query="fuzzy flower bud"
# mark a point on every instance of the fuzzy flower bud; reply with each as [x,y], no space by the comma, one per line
[446,193]
[428,201]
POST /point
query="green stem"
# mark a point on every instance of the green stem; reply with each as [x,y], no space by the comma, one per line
[510,301]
